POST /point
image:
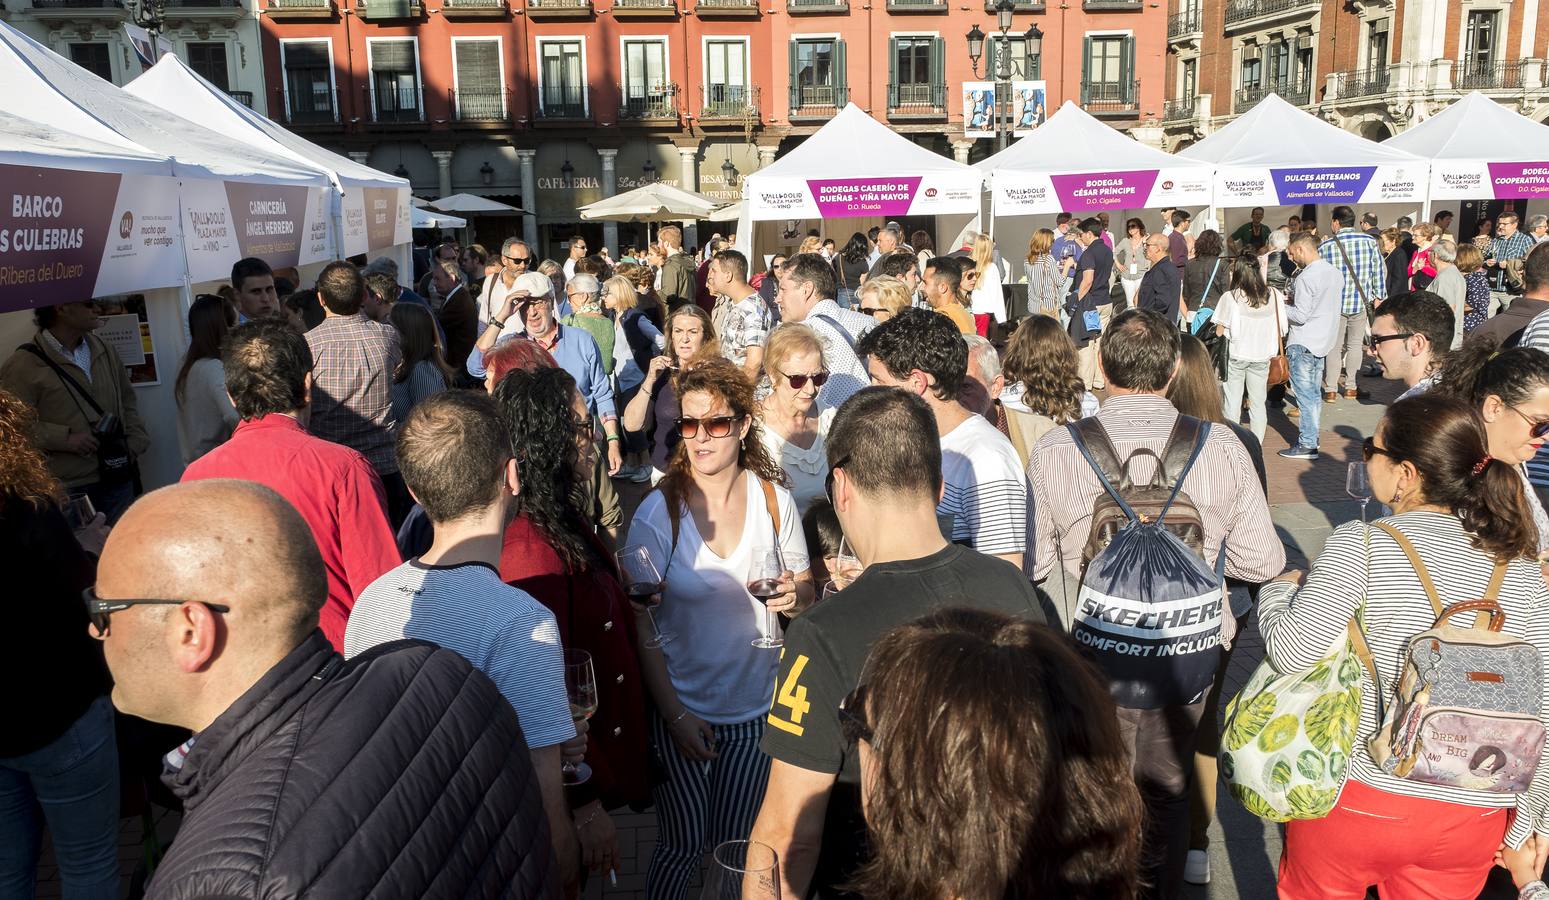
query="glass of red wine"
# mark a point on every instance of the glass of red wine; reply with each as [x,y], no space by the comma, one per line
[764,583]
[644,586]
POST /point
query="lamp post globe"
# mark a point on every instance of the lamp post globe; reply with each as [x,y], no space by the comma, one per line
[975,45]
[1003,12]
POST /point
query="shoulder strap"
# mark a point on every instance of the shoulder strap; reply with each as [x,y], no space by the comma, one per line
[1213,270]
[1076,428]
[1350,269]
[1279,306]
[834,324]
[1180,449]
[66,377]
[772,506]
[1090,435]
[1419,567]
[1202,433]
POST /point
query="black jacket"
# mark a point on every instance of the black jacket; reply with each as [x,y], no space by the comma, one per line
[1159,291]
[401,773]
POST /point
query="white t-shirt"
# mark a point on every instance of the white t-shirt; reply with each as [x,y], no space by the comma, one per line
[807,469]
[986,489]
[500,630]
[719,676]
[1253,334]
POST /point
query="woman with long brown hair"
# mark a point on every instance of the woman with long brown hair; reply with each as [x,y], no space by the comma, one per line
[422,370]
[720,508]
[205,416]
[958,713]
[690,339]
[1463,515]
[1043,382]
[1042,274]
[58,754]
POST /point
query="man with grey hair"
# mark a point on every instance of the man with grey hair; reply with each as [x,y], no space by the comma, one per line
[984,382]
[888,240]
[1449,284]
[515,259]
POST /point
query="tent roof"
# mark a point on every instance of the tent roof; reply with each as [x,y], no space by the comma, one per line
[654,202]
[173,86]
[1476,127]
[428,218]
[27,143]
[40,85]
[854,145]
[471,203]
[1275,133]
[1072,140]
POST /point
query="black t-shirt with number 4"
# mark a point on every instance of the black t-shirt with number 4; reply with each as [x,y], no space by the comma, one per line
[825,650]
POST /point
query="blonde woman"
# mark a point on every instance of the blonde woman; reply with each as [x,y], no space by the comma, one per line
[811,244]
[792,430]
[1043,275]
[636,341]
[883,297]
[987,294]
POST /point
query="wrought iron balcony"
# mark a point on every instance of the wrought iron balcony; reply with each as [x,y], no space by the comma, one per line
[553,9]
[729,101]
[907,6]
[80,9]
[797,7]
[916,100]
[386,10]
[401,104]
[644,8]
[243,97]
[1110,97]
[1501,76]
[817,99]
[1182,109]
[300,9]
[1018,5]
[316,107]
[656,104]
[1362,83]
[1112,5]
[1184,21]
[480,104]
[1238,11]
[474,9]
[724,9]
[564,102]
[1289,91]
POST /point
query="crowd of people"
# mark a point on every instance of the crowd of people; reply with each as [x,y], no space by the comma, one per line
[910,569]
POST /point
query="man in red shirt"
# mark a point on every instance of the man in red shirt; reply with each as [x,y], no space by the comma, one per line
[334,488]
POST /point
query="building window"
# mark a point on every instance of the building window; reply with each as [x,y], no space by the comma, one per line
[1377,45]
[817,73]
[1188,79]
[1304,67]
[480,91]
[1016,51]
[563,91]
[1480,49]
[726,78]
[395,80]
[1252,67]
[915,77]
[1277,65]
[209,60]
[93,58]
[647,91]
[1107,73]
[308,81]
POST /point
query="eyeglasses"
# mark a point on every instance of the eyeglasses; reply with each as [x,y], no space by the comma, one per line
[716,426]
[1400,336]
[586,430]
[852,717]
[800,381]
[828,480]
[518,260]
[1369,449]
[1536,429]
[872,310]
[99,611]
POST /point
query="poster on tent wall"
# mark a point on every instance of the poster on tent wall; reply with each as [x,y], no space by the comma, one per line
[840,198]
[1481,180]
[1329,184]
[1033,193]
[224,221]
[375,218]
[72,235]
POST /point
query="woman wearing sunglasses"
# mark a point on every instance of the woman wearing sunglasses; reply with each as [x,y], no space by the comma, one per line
[1464,512]
[720,505]
[790,426]
[1510,390]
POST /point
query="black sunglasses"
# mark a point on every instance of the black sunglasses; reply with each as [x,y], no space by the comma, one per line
[99,611]
[1369,449]
[852,717]
[798,382]
[1400,336]
[1536,429]
[716,426]
[518,260]
[871,310]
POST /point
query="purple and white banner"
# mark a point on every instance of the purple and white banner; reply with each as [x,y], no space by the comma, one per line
[374,219]
[1033,193]
[284,225]
[1329,184]
[841,198]
[1480,180]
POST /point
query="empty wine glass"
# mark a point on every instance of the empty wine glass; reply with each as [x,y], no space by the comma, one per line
[581,688]
[763,583]
[1358,485]
[743,870]
[78,511]
[847,566]
[644,586]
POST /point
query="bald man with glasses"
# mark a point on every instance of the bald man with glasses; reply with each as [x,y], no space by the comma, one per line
[1160,290]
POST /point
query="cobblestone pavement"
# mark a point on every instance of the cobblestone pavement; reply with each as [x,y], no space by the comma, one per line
[1306,499]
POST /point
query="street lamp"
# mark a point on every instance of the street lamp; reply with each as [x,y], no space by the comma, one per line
[150,15]
[487,174]
[649,171]
[1005,68]
[567,173]
[728,172]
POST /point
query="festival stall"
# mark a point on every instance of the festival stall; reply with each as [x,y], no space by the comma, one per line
[1283,158]
[1480,150]
[369,210]
[858,169]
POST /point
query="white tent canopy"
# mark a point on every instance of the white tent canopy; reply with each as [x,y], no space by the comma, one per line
[654,202]
[372,208]
[1479,149]
[471,203]
[428,218]
[1279,155]
[1075,162]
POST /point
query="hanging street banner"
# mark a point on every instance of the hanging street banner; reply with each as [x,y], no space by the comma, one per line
[375,218]
[1239,187]
[1020,193]
[840,198]
[1457,179]
[1029,107]
[284,225]
[73,235]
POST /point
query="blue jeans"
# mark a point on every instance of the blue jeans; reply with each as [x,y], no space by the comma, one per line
[1307,382]
[73,783]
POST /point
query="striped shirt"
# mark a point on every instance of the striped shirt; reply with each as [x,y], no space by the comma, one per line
[1300,627]
[1514,247]
[984,490]
[353,361]
[1223,486]
[1367,263]
[846,373]
[1536,335]
[500,630]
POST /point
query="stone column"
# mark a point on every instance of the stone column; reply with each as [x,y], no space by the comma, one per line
[689,180]
[610,230]
[766,156]
[961,149]
[443,171]
[529,198]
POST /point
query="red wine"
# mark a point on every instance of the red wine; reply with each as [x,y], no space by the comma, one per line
[645,593]
[764,588]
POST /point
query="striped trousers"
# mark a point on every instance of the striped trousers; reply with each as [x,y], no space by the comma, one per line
[703,804]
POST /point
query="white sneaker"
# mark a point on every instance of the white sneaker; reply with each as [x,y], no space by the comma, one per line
[1197,869]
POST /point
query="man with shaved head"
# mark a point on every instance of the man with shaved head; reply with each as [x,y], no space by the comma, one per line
[401,773]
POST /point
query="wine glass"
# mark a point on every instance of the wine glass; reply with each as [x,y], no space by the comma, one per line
[830,588]
[1358,485]
[743,870]
[78,511]
[847,566]
[764,582]
[644,586]
[581,688]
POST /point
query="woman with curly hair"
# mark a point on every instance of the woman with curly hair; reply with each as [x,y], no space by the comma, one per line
[58,755]
[690,339]
[1043,382]
[552,552]
[1045,733]
[721,505]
